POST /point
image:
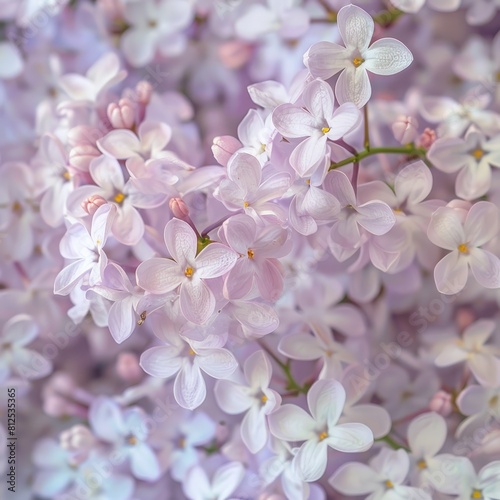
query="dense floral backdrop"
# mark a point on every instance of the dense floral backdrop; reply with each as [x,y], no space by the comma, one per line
[250,249]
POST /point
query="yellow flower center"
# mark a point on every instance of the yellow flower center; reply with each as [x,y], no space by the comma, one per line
[389,484]
[250,253]
[132,440]
[358,61]
[325,130]
[493,401]
[246,204]
[66,176]
[323,435]
[182,443]
[463,248]
[119,197]
[188,272]
[421,464]
[477,153]
[308,182]
[191,351]
[497,76]
[263,399]
[477,494]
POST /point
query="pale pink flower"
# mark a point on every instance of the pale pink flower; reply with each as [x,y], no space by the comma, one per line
[259,249]
[318,121]
[15,358]
[325,400]
[102,75]
[187,359]
[285,17]
[149,143]
[413,6]
[85,249]
[426,436]
[386,56]
[154,25]
[246,188]
[464,241]
[374,216]
[472,157]
[197,485]
[187,270]
[127,430]
[382,479]
[253,397]
[472,349]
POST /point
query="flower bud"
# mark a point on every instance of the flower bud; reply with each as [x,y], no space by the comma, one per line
[91,204]
[441,403]
[234,53]
[427,138]
[465,317]
[224,147]
[405,129]
[179,208]
[122,113]
[128,368]
[144,92]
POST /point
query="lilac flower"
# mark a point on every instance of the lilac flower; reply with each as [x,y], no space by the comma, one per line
[472,157]
[464,240]
[253,397]
[325,400]
[258,249]
[127,431]
[186,359]
[386,56]
[15,358]
[246,188]
[318,122]
[197,486]
[383,479]
[187,270]
[104,73]
[85,249]
[374,216]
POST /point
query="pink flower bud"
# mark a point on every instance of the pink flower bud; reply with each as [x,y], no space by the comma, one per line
[427,138]
[81,156]
[405,129]
[179,208]
[234,53]
[91,204]
[144,92]
[224,147]
[441,403]
[465,317]
[122,113]
[128,368]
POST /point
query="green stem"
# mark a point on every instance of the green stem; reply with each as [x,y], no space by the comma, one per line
[367,128]
[392,443]
[408,150]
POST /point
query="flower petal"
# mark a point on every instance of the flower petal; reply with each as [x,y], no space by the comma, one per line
[159,275]
[387,56]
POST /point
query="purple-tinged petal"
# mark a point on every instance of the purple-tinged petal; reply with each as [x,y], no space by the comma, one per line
[197,301]
[159,275]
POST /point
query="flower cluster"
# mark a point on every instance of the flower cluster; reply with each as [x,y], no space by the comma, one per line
[250,249]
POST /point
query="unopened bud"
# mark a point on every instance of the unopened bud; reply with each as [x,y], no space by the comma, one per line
[465,317]
[224,147]
[427,138]
[179,208]
[441,403]
[128,368]
[91,204]
[235,53]
[405,129]
[121,114]
[144,92]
